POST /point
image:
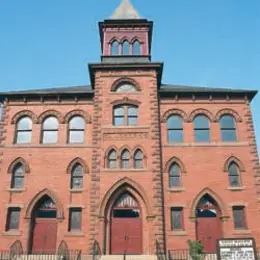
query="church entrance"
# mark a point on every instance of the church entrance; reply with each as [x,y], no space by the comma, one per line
[208,223]
[44,227]
[126,226]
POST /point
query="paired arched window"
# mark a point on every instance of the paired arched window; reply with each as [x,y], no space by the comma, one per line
[17,181]
[174,176]
[136,48]
[201,128]
[138,159]
[125,159]
[50,130]
[77,177]
[228,128]
[115,48]
[234,175]
[112,159]
[175,129]
[125,115]
[76,129]
[24,131]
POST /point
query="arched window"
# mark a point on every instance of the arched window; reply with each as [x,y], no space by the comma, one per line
[126,48]
[77,177]
[115,48]
[234,175]
[175,129]
[201,129]
[175,176]
[228,128]
[125,87]
[138,159]
[24,131]
[76,129]
[18,176]
[125,159]
[136,48]
[112,159]
[50,130]
[125,115]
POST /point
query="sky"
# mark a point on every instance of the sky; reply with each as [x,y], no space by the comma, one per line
[49,43]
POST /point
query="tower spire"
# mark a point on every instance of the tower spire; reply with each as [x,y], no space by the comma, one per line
[125,11]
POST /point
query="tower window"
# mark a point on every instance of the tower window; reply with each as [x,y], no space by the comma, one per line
[136,48]
[125,159]
[115,48]
[112,159]
[125,115]
[138,159]
[126,48]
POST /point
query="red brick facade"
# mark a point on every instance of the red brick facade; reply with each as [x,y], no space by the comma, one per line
[203,166]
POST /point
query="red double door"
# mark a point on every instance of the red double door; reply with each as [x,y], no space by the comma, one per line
[208,231]
[44,236]
[126,236]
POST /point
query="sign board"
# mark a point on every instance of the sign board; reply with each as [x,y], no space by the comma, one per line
[236,249]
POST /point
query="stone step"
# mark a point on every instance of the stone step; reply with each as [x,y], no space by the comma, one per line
[128,257]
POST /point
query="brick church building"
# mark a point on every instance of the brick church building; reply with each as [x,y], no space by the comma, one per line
[128,160]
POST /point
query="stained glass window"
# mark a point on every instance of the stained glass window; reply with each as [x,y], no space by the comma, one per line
[18,177]
[233,175]
[77,177]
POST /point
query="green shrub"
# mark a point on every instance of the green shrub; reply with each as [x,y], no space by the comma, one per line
[196,250]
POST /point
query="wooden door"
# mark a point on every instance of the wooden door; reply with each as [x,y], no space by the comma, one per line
[44,236]
[208,231]
[126,236]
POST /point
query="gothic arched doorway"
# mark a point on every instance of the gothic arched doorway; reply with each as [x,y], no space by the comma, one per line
[44,226]
[208,223]
[126,226]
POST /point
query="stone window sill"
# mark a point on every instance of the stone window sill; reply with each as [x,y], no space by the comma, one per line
[212,144]
[77,190]
[236,188]
[125,170]
[242,232]
[12,233]
[176,189]
[178,233]
[75,234]
[17,190]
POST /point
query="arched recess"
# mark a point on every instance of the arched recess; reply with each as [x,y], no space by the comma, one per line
[201,111]
[21,161]
[77,161]
[16,248]
[48,113]
[24,113]
[228,111]
[174,160]
[113,39]
[235,160]
[78,112]
[38,196]
[215,196]
[63,250]
[125,147]
[119,187]
[126,81]
[178,112]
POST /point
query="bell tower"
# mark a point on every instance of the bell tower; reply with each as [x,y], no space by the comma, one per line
[125,36]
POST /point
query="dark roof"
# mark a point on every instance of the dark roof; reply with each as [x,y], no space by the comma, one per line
[165,90]
[183,88]
[46,91]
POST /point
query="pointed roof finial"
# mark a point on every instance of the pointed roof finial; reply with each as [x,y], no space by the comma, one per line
[125,11]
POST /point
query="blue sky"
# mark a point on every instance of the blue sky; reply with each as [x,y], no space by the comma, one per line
[204,43]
